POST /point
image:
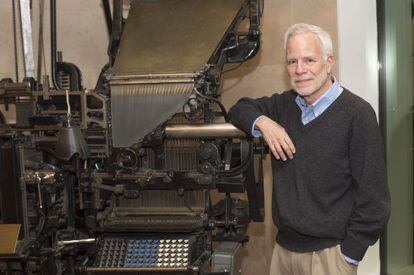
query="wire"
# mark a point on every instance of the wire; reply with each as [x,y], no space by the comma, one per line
[239,169]
[234,68]
[222,108]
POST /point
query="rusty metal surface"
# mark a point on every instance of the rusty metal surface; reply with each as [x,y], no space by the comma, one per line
[8,238]
[170,36]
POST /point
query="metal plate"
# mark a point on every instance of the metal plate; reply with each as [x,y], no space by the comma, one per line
[173,36]
[8,238]
[138,109]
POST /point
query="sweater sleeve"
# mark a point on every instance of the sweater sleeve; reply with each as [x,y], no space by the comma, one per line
[245,112]
[371,208]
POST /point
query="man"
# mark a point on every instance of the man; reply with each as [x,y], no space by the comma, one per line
[330,197]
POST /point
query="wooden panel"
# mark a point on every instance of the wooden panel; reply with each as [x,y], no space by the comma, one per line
[8,238]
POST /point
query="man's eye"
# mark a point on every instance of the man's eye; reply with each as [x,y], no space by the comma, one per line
[310,61]
[292,62]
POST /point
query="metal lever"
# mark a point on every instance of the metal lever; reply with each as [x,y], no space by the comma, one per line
[62,244]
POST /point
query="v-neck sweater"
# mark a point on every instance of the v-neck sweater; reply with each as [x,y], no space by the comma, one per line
[334,190]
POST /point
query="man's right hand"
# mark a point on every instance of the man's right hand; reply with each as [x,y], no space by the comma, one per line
[276,138]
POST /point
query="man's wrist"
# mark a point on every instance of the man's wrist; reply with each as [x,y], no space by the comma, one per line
[350,260]
[260,121]
[352,248]
[255,130]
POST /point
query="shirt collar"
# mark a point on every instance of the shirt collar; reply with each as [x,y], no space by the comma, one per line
[324,101]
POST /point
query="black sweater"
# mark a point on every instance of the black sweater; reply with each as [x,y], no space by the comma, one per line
[334,190]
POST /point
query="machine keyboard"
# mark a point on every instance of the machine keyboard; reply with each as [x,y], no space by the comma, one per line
[143,253]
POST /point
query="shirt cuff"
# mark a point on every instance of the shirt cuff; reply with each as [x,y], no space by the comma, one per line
[349,260]
[255,132]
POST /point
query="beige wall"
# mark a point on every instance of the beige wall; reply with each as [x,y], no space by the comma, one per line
[83,39]
[265,75]
[81,36]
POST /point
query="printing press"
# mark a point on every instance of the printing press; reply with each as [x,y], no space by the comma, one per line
[138,175]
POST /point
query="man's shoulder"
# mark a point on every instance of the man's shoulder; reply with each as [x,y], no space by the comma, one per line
[355,101]
[356,104]
[286,96]
[279,97]
[289,93]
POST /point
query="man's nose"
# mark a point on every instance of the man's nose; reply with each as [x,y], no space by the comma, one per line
[300,67]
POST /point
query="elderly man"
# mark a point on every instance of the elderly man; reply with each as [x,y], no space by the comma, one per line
[330,196]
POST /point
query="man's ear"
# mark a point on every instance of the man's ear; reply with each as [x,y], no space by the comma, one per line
[329,64]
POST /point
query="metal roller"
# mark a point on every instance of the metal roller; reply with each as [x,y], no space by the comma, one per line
[217,130]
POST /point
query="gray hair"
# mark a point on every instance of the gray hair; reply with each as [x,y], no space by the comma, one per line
[322,35]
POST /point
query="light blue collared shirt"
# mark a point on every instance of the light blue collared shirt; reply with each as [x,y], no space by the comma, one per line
[310,112]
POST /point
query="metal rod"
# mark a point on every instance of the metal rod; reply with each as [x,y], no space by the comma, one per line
[23,191]
[171,75]
[64,243]
[108,17]
[217,130]
[26,26]
[78,181]
[149,81]
[116,30]
[40,44]
[39,191]
[16,61]
[53,43]
[152,79]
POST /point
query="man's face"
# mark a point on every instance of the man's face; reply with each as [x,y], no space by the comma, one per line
[308,71]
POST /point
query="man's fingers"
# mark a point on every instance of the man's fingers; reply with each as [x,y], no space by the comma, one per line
[289,148]
[279,141]
[272,148]
[286,149]
[290,144]
[280,151]
[274,152]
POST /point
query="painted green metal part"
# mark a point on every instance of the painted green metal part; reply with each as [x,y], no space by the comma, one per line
[399,134]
